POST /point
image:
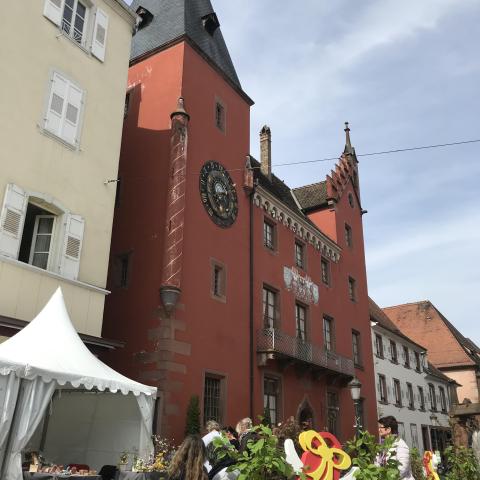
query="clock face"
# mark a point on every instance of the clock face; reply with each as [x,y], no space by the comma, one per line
[218,194]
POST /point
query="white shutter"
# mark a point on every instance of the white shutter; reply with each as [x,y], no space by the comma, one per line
[53,10]
[12,219]
[72,246]
[56,104]
[99,40]
[73,107]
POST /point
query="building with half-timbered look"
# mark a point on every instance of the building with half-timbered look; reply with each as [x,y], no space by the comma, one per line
[64,79]
[226,283]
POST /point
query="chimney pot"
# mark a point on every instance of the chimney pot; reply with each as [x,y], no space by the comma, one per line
[266,152]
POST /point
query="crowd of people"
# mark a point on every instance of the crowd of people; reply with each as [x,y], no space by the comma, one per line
[198,459]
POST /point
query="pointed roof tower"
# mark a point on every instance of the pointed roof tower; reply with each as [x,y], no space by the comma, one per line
[164,22]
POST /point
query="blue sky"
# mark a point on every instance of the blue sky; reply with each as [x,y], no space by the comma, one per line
[403,74]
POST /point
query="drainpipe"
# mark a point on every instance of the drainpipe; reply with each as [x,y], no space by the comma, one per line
[249,188]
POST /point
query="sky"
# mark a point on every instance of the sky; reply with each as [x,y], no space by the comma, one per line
[404,74]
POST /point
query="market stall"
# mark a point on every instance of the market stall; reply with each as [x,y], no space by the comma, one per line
[96,413]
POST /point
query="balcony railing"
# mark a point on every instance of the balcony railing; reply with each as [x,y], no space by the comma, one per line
[274,341]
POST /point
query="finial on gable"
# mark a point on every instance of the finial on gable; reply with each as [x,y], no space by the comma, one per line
[348,143]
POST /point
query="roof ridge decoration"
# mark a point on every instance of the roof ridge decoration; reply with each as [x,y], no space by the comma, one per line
[346,170]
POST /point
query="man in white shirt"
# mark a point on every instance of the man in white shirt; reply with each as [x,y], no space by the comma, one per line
[389,426]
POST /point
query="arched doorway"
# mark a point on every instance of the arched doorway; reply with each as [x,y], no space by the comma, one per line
[305,416]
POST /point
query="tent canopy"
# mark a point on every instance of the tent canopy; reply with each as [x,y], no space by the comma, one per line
[49,347]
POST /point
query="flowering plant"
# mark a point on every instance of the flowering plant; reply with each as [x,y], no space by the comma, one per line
[158,462]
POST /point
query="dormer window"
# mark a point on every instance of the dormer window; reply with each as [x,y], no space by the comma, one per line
[210,23]
[146,17]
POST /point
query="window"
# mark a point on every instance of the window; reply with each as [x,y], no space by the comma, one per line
[401,431]
[352,289]
[332,412]
[126,107]
[328,334]
[268,235]
[300,321]
[325,264]
[220,116]
[397,391]
[348,236]
[406,357]
[393,352]
[421,398]
[433,397]
[443,400]
[378,346]
[218,286]
[418,367]
[382,388]
[414,434]
[271,397]
[122,268]
[357,360]
[48,239]
[269,308]
[300,255]
[73,18]
[64,108]
[212,398]
[411,400]
[350,200]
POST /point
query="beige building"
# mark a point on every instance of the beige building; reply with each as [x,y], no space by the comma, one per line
[63,75]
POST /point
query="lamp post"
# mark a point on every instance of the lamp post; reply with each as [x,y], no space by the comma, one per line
[355,387]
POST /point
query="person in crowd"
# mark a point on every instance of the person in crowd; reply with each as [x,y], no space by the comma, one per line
[213,430]
[232,436]
[187,463]
[245,433]
[389,426]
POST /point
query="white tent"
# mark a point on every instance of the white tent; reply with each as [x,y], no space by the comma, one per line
[48,355]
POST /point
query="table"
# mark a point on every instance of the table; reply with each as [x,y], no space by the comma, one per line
[56,476]
[140,475]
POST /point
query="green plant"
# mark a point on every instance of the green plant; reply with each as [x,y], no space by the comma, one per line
[462,464]
[192,425]
[416,464]
[123,458]
[266,420]
[261,460]
[364,451]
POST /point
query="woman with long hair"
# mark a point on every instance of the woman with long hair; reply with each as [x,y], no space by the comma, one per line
[187,464]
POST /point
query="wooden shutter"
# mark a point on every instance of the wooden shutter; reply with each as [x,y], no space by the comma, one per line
[73,107]
[12,219]
[72,246]
[56,104]
[99,40]
[52,9]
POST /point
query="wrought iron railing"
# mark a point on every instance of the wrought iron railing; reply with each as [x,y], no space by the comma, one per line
[272,340]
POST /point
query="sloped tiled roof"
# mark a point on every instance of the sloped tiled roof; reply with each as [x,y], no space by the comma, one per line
[312,196]
[378,315]
[173,19]
[433,370]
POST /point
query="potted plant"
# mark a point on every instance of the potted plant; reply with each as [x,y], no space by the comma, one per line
[123,461]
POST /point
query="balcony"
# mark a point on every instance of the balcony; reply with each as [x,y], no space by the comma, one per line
[275,344]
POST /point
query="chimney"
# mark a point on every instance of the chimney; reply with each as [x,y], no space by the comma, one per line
[266,152]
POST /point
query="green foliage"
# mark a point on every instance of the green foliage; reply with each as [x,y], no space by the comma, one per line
[266,420]
[364,451]
[462,464]
[192,425]
[417,465]
[261,460]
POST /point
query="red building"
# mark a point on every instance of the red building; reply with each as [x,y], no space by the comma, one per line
[226,283]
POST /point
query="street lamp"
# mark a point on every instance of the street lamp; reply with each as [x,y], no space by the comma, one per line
[355,387]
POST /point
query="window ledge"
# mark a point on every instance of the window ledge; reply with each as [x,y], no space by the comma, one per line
[48,133]
[71,40]
[48,273]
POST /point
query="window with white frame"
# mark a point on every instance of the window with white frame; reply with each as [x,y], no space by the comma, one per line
[421,398]
[301,321]
[271,398]
[414,435]
[64,109]
[382,388]
[443,399]
[269,307]
[81,21]
[328,334]
[40,233]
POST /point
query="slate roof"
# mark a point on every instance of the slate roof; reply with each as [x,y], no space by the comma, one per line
[276,187]
[379,316]
[312,196]
[174,19]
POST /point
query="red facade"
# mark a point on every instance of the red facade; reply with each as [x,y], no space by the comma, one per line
[249,325]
